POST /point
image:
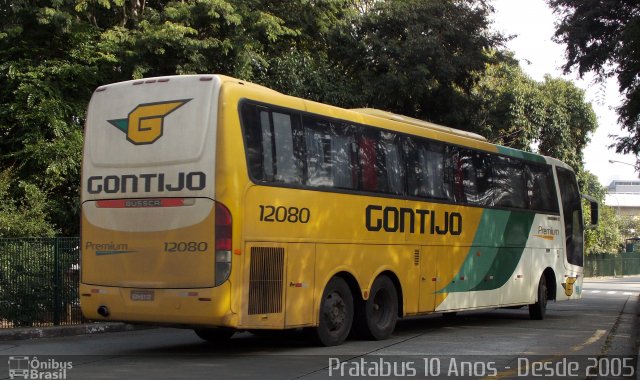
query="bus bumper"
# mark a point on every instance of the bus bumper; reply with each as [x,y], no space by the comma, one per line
[180,307]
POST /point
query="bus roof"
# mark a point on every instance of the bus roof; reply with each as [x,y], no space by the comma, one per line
[472,139]
[418,122]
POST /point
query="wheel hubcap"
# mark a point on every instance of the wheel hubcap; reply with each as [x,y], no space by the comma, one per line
[334,311]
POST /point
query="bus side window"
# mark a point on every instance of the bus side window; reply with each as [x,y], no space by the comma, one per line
[509,183]
[267,146]
[367,156]
[272,145]
[381,164]
[472,176]
[393,166]
[288,168]
[329,154]
[257,134]
[541,190]
[426,170]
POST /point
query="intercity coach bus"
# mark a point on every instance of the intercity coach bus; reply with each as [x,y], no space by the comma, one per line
[219,205]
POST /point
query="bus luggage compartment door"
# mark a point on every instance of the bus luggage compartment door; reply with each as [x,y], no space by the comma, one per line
[280,284]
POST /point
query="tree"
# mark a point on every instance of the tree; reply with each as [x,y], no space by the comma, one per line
[603,36]
[54,53]
[569,121]
[432,59]
[49,65]
[511,109]
[508,106]
[606,237]
[418,57]
[27,217]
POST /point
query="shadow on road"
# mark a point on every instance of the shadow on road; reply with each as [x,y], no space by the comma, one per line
[274,341]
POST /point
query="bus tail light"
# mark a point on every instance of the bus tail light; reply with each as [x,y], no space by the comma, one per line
[223,244]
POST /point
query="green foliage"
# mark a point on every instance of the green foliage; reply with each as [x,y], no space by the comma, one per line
[606,237]
[603,36]
[27,217]
[48,68]
[629,226]
[568,123]
[432,59]
[511,109]
[418,58]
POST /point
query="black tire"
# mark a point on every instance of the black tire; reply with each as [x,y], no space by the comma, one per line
[336,314]
[376,317]
[538,310]
[214,334]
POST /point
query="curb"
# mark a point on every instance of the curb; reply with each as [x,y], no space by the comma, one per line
[21,333]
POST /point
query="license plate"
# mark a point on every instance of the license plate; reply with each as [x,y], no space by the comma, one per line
[142,295]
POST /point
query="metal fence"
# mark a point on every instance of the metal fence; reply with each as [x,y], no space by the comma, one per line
[39,279]
[608,264]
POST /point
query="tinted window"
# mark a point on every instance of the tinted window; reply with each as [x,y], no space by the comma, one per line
[380,160]
[330,153]
[508,182]
[273,146]
[427,170]
[473,177]
[572,210]
[541,190]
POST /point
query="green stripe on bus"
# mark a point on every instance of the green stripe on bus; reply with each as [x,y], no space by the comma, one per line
[497,248]
[521,154]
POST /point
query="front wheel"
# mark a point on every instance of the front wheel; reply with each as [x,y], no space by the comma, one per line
[336,313]
[376,317]
[538,310]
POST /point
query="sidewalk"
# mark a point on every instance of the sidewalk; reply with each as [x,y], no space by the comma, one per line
[58,331]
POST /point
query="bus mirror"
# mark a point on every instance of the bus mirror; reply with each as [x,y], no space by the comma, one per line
[593,203]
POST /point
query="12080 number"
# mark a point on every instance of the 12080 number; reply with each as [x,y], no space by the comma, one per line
[185,246]
[284,214]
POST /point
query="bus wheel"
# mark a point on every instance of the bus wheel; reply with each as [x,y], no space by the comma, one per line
[376,317]
[214,334]
[336,313]
[537,310]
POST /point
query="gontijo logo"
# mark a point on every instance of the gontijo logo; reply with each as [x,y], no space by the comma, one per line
[146,122]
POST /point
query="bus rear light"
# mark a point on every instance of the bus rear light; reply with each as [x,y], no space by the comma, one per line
[223,244]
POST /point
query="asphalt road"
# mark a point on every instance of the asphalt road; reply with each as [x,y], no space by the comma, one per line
[591,338]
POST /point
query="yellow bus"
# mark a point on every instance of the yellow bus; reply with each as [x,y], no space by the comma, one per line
[220,205]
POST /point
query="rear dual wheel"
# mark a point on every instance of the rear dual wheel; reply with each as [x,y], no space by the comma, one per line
[377,316]
[336,313]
